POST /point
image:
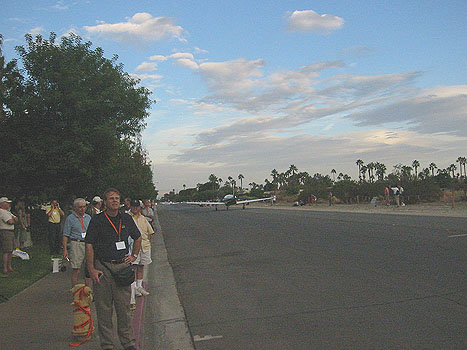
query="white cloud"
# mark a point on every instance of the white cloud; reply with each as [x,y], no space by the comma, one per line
[147,76]
[440,109]
[146,67]
[140,27]
[198,50]
[158,58]
[70,31]
[310,21]
[180,55]
[185,62]
[37,30]
[60,5]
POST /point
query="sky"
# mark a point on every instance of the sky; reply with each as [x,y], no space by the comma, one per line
[244,87]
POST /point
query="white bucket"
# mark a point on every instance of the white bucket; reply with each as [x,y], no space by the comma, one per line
[56,264]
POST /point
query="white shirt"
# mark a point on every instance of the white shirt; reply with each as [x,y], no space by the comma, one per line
[6,215]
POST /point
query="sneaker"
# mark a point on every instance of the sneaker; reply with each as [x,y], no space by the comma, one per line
[140,291]
[132,306]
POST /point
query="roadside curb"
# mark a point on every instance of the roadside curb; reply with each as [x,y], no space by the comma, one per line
[165,326]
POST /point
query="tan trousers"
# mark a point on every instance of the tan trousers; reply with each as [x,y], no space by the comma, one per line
[106,295]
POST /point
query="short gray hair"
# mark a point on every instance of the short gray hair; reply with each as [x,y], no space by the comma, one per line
[77,201]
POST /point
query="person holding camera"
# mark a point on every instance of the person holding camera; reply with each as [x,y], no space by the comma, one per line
[95,207]
[54,214]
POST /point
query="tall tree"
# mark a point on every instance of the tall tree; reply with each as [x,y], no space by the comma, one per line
[293,169]
[78,131]
[415,165]
[432,167]
[460,161]
[241,177]
[213,180]
[452,168]
[359,163]
[274,174]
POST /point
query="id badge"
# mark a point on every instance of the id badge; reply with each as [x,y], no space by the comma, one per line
[83,234]
[120,245]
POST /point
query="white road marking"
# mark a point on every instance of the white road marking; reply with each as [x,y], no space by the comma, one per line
[465,234]
[207,337]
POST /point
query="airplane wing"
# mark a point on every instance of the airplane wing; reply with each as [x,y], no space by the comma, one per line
[255,200]
[204,203]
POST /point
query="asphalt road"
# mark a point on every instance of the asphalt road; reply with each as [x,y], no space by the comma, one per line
[285,279]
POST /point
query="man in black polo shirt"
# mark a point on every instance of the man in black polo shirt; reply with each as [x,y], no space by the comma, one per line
[106,252]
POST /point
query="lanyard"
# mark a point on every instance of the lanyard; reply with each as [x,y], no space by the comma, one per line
[119,227]
[81,221]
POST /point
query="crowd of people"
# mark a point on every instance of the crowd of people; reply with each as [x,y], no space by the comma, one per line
[106,243]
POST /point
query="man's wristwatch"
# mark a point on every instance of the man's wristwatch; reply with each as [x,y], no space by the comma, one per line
[134,255]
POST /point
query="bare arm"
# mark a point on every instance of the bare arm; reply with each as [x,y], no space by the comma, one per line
[65,249]
[90,261]
[136,247]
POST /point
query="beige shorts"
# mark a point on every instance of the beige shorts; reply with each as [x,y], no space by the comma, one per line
[77,254]
[144,258]
[8,241]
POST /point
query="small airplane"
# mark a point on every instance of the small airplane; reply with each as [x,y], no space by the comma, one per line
[230,199]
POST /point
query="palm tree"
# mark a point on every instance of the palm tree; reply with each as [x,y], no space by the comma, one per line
[452,168]
[184,187]
[293,169]
[281,179]
[363,170]
[333,173]
[380,170]
[370,167]
[213,180]
[415,165]
[241,177]
[274,174]
[432,167]
[359,163]
[461,161]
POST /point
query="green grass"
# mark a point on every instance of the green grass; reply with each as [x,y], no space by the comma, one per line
[28,271]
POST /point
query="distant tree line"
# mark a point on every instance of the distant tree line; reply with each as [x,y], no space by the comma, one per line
[70,123]
[426,184]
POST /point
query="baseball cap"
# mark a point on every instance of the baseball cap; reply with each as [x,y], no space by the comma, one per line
[97,199]
[135,203]
[4,199]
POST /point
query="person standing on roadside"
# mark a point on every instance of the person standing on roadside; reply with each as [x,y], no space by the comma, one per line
[148,212]
[95,207]
[54,213]
[125,208]
[144,256]
[107,253]
[386,195]
[7,234]
[76,225]
[396,192]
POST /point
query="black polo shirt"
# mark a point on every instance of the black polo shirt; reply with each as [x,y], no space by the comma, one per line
[103,236]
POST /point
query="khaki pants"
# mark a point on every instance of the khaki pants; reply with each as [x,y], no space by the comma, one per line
[106,295]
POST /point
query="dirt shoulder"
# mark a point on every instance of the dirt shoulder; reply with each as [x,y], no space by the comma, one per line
[426,209]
